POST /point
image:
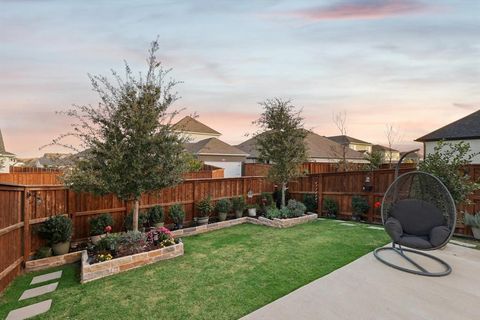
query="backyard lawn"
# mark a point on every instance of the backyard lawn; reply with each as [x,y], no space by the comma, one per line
[224,274]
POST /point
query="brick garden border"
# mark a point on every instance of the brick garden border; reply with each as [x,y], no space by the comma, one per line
[50,262]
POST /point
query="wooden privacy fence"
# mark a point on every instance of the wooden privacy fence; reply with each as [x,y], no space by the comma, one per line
[22,207]
[31,178]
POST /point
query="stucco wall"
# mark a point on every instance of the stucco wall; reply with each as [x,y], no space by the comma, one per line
[474,145]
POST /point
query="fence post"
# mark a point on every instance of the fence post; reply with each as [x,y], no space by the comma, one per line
[26,227]
[320,194]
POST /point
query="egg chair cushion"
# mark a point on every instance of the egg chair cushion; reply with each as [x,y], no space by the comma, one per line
[416,242]
[417,217]
[394,229]
[439,235]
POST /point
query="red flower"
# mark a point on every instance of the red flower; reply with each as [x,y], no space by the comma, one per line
[377,204]
[108,229]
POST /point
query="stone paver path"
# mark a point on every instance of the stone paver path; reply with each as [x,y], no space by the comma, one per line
[348,224]
[30,311]
[375,228]
[38,291]
[461,243]
[46,277]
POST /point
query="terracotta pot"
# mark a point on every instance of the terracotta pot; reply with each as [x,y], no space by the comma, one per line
[202,220]
[238,213]
[476,233]
[61,248]
[252,212]
[97,238]
[222,216]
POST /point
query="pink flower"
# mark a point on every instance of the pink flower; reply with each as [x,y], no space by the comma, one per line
[108,229]
[164,230]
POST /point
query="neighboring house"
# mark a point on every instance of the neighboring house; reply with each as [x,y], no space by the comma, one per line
[217,153]
[411,158]
[195,130]
[7,159]
[466,129]
[205,146]
[319,149]
[49,160]
[353,143]
[386,153]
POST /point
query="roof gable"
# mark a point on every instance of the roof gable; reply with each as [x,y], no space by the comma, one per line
[344,139]
[465,128]
[213,146]
[189,124]
[2,147]
[379,147]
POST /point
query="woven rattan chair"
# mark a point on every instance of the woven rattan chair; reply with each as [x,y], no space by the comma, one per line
[418,212]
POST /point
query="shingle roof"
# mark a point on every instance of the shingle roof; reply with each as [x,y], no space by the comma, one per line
[317,147]
[213,146]
[465,128]
[347,140]
[2,147]
[378,147]
[189,124]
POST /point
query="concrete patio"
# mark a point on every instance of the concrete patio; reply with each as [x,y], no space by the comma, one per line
[368,289]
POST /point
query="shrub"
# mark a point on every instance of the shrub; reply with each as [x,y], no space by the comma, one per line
[359,205]
[108,243]
[130,242]
[56,229]
[238,203]
[128,222]
[296,208]
[273,212]
[472,220]
[310,201]
[155,215]
[223,206]
[266,198]
[330,206]
[177,213]
[205,207]
[99,223]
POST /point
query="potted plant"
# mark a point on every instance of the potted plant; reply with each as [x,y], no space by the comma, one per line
[330,208]
[360,206]
[223,207]
[474,222]
[238,204]
[57,230]
[155,216]
[178,214]
[205,208]
[252,210]
[98,225]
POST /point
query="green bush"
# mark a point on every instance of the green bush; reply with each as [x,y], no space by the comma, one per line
[273,212]
[98,224]
[56,229]
[205,207]
[177,213]
[310,201]
[108,243]
[128,222]
[223,206]
[43,252]
[360,205]
[155,215]
[130,242]
[266,198]
[472,220]
[330,206]
[238,203]
[296,208]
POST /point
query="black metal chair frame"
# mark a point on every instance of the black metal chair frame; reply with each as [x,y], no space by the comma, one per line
[397,248]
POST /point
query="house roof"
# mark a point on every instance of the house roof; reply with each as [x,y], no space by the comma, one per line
[49,160]
[214,146]
[189,124]
[2,147]
[465,128]
[317,147]
[378,147]
[343,139]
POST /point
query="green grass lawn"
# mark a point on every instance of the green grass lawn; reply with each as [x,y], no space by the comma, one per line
[224,274]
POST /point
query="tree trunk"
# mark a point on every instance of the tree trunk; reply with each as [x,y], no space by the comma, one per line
[284,188]
[135,214]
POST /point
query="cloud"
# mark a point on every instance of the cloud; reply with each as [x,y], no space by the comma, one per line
[465,106]
[364,9]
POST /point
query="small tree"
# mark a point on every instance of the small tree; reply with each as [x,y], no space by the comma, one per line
[340,120]
[375,159]
[132,146]
[393,135]
[281,141]
[448,162]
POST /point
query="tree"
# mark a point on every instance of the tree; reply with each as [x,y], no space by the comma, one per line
[393,136]
[131,145]
[448,162]
[340,120]
[375,159]
[282,142]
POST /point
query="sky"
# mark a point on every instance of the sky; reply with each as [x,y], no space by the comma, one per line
[411,64]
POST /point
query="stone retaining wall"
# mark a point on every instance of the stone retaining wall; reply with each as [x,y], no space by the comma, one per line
[50,262]
[90,272]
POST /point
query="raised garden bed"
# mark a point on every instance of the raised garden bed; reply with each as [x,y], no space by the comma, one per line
[50,262]
[286,223]
[90,272]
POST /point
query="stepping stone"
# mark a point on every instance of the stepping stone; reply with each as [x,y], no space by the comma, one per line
[463,244]
[38,291]
[30,311]
[321,219]
[46,277]
[375,228]
[348,224]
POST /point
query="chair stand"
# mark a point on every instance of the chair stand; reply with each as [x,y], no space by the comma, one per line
[421,270]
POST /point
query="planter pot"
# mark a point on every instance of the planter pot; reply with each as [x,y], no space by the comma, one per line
[222,216]
[238,213]
[61,248]
[97,238]
[252,212]
[159,225]
[202,221]
[476,233]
